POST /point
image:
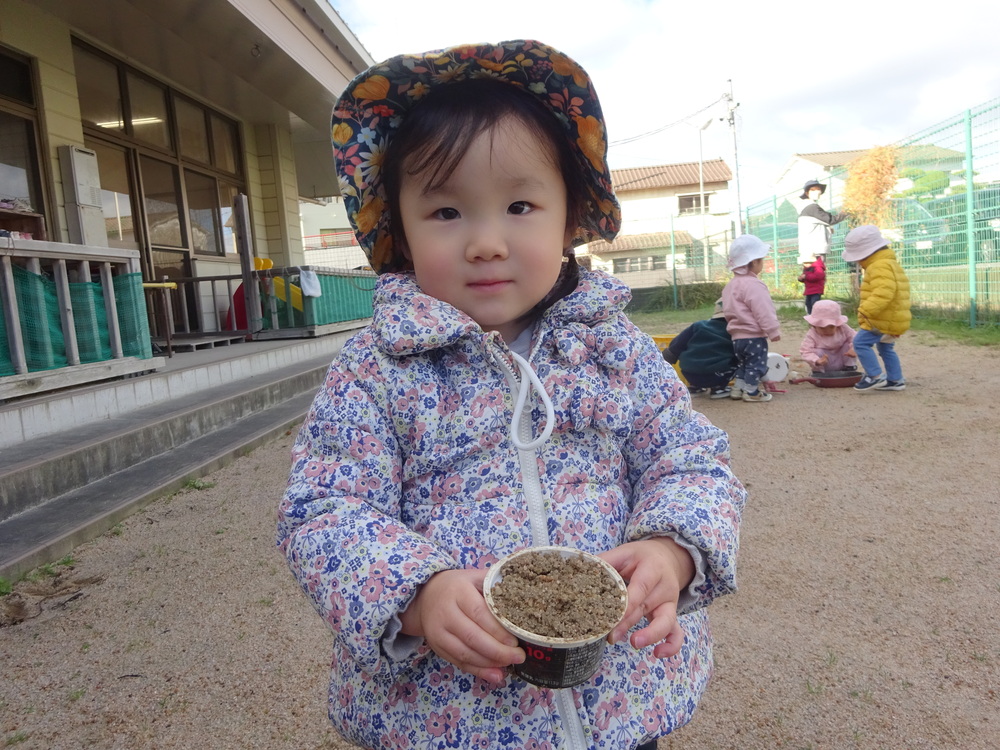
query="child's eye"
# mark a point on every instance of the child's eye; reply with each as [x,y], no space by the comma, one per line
[447,214]
[519,207]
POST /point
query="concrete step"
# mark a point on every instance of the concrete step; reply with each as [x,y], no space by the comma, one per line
[47,467]
[66,486]
[52,530]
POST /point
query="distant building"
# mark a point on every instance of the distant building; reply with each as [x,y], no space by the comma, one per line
[134,124]
[829,167]
[665,234]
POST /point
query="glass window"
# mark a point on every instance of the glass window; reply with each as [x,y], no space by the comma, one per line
[148,104]
[691,204]
[191,130]
[98,91]
[225,140]
[15,80]
[160,199]
[116,199]
[203,208]
[227,200]
[19,177]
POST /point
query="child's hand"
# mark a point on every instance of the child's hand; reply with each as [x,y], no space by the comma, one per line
[777,337]
[822,360]
[850,353]
[451,614]
[656,570]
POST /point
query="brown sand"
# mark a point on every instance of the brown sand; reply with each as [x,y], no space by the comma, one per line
[867,615]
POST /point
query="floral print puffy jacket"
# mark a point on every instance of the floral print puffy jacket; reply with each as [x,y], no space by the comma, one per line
[405,467]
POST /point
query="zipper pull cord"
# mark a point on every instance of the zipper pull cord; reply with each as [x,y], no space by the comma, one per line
[530,379]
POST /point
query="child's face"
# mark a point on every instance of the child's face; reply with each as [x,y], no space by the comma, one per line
[490,240]
[826,330]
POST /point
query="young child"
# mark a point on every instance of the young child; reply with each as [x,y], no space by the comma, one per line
[500,399]
[814,277]
[884,309]
[829,344]
[750,316]
[705,352]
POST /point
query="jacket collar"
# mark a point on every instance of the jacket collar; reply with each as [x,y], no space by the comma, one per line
[407,321]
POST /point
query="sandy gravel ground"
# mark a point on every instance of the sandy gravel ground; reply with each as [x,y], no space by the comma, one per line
[867,615]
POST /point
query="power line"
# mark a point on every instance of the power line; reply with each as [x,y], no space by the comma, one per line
[668,126]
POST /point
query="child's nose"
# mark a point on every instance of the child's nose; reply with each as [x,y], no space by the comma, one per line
[487,242]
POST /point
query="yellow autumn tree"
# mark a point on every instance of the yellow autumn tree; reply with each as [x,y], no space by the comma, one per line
[871,178]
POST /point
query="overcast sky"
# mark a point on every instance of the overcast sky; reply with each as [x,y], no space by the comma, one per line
[808,77]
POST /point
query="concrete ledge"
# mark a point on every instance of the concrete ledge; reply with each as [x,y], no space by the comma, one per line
[51,531]
[48,467]
[34,383]
[183,375]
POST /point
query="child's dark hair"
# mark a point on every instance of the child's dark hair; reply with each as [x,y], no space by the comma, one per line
[438,132]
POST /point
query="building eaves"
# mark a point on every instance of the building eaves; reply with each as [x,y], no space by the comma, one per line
[913,154]
[669,175]
[633,242]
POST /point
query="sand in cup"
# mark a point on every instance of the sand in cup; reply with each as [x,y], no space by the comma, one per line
[561,604]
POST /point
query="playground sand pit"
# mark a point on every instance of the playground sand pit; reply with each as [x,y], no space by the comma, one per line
[866,616]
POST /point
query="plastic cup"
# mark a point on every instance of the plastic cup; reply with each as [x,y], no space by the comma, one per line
[554,662]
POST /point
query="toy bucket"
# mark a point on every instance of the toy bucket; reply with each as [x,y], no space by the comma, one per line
[554,662]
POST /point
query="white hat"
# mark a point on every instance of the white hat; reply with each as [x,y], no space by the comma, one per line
[862,241]
[746,248]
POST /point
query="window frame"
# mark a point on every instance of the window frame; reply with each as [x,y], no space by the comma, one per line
[213,119]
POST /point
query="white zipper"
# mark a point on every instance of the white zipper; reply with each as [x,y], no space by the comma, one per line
[538,521]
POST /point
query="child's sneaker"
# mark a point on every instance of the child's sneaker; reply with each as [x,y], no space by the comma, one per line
[721,392]
[893,385]
[760,395]
[868,383]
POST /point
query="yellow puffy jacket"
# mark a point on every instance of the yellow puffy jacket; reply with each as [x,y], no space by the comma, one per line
[885,294]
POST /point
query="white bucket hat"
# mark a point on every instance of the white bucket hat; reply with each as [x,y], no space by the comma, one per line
[745,248]
[862,241]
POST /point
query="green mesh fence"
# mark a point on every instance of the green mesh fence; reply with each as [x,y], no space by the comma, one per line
[41,326]
[6,362]
[90,321]
[947,241]
[345,296]
[41,322]
[132,316]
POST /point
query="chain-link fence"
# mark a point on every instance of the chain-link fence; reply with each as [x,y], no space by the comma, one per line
[945,225]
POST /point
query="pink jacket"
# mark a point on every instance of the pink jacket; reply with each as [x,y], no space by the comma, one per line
[835,346]
[748,307]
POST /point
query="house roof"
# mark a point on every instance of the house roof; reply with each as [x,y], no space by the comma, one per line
[669,175]
[633,242]
[917,153]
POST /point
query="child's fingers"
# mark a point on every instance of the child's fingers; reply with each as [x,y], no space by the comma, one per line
[662,622]
[671,645]
[464,642]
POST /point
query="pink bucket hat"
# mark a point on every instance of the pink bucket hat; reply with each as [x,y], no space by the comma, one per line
[825,312]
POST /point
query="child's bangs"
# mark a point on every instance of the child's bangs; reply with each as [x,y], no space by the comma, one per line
[440,131]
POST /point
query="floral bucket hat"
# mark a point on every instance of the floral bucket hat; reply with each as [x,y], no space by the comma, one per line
[374,104]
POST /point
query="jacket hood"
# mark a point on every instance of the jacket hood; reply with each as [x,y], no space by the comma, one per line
[884,253]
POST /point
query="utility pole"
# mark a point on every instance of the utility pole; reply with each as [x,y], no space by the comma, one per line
[731,106]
